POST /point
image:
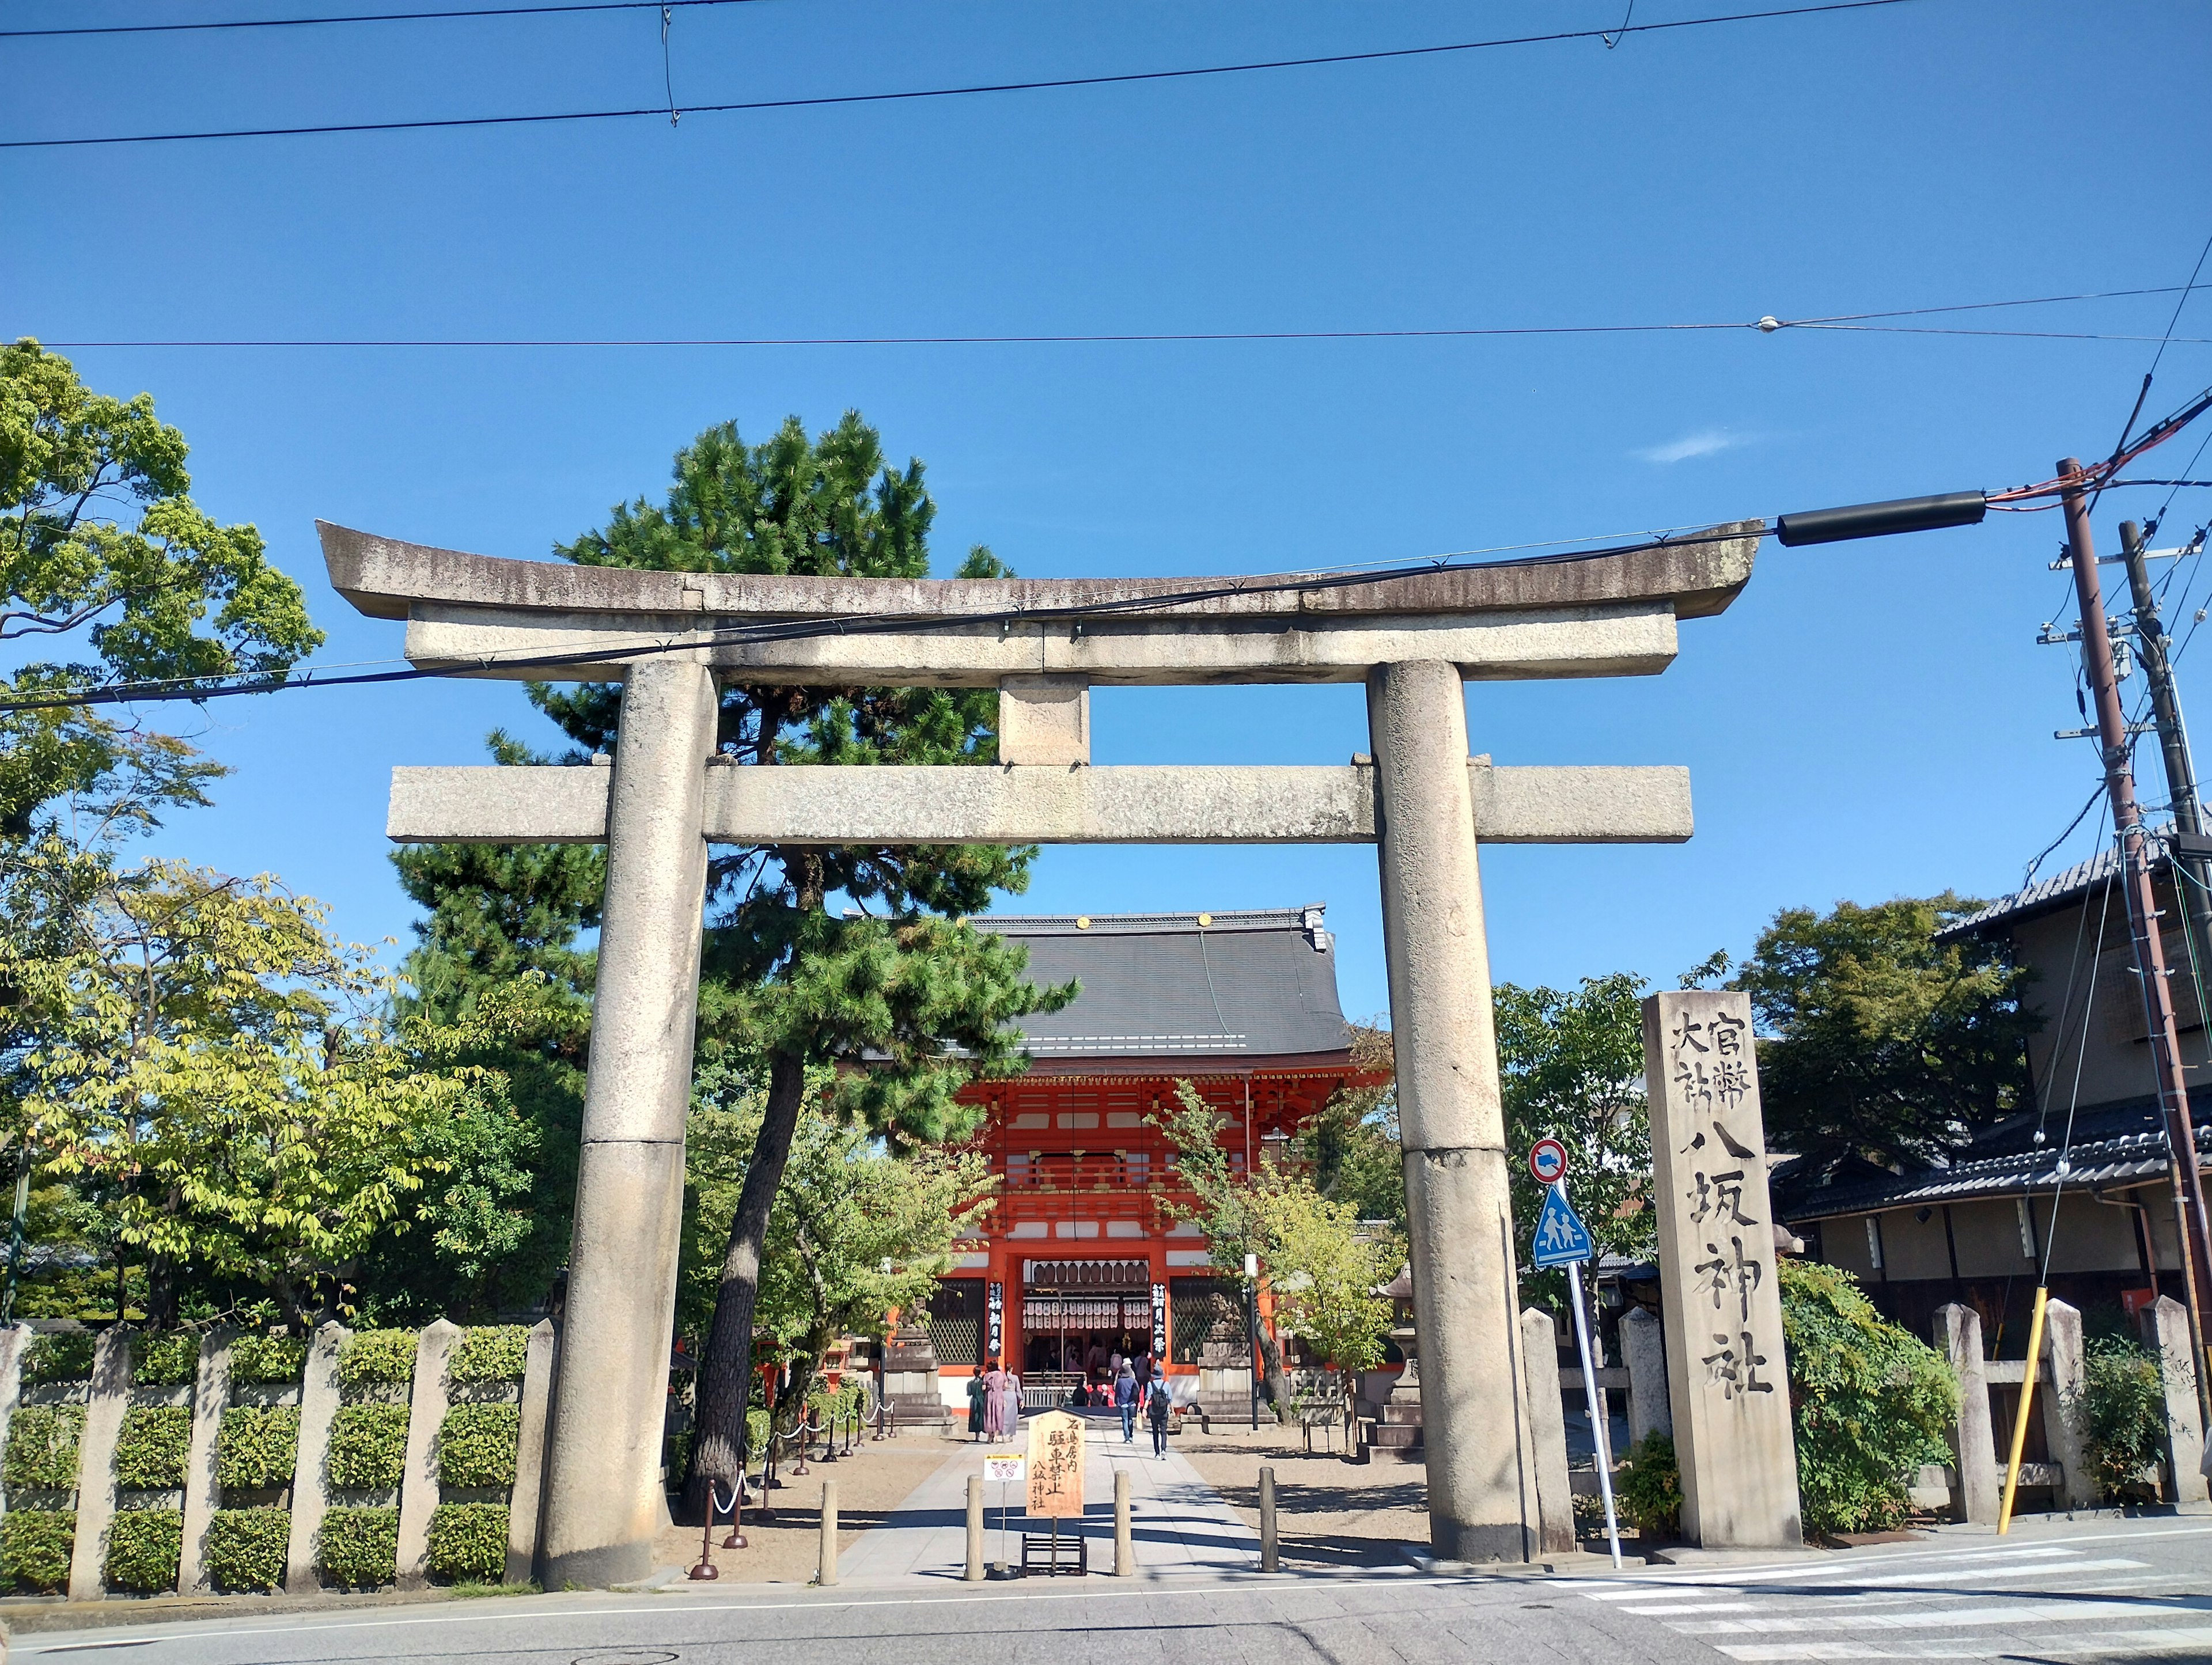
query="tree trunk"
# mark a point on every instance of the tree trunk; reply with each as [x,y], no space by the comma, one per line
[1277,1378]
[161,1292]
[718,1442]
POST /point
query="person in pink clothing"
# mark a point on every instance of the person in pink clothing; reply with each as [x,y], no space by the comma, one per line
[1003,1410]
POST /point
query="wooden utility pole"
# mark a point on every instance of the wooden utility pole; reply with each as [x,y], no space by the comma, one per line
[2142,921]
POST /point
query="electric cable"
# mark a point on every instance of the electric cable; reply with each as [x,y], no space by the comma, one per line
[362,17]
[969,90]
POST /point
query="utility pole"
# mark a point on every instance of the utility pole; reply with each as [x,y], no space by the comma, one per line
[2192,873]
[2142,922]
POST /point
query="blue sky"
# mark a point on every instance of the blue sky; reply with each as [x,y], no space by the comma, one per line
[1867,720]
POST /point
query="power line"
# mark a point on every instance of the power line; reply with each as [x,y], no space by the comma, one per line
[972,89]
[360,17]
[1767,325]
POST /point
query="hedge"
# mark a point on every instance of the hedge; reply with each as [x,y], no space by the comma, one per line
[35,1545]
[247,1547]
[257,1445]
[61,1355]
[42,1447]
[267,1359]
[360,1547]
[377,1356]
[468,1542]
[1869,1403]
[143,1548]
[2123,1413]
[153,1447]
[167,1359]
[496,1352]
[476,1445]
[368,1447]
[1651,1487]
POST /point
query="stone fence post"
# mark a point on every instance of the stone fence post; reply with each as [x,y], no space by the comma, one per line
[1644,1348]
[1555,1498]
[525,1503]
[2166,1330]
[2063,1429]
[1978,1494]
[311,1492]
[418,1485]
[109,1398]
[13,1341]
[211,1394]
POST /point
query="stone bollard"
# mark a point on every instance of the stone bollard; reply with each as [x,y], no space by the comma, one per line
[13,1341]
[1644,1349]
[525,1504]
[1980,1490]
[1125,1546]
[825,1566]
[1270,1559]
[2064,1430]
[2166,1330]
[974,1573]
[1555,1498]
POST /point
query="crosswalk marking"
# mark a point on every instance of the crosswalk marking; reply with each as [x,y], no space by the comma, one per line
[1925,1605]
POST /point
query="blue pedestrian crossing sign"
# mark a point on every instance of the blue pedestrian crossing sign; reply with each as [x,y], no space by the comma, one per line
[1561,1236]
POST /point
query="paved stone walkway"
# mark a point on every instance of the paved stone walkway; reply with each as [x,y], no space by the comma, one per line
[1180,1523]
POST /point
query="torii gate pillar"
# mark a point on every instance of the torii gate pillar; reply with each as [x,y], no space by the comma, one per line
[1451,1126]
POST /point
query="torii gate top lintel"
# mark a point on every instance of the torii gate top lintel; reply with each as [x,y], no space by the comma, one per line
[1601,615]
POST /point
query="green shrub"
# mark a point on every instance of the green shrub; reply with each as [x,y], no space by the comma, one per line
[1650,1488]
[61,1356]
[246,1547]
[35,1545]
[368,1447]
[1871,1402]
[144,1546]
[257,1445]
[495,1354]
[267,1359]
[2123,1413]
[377,1356]
[167,1359]
[151,1450]
[757,1428]
[42,1447]
[468,1542]
[476,1445]
[359,1547]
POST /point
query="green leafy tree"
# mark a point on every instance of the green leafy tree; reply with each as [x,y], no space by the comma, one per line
[1351,1149]
[105,557]
[1876,1041]
[216,1065]
[846,1209]
[902,982]
[1570,1067]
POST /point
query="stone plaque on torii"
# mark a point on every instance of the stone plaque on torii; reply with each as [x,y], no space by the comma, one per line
[1412,639]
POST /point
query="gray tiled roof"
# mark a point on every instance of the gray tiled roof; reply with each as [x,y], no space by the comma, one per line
[1257,984]
[2133,1156]
[2047,894]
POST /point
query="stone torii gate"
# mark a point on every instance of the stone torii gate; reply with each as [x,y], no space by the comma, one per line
[667,637]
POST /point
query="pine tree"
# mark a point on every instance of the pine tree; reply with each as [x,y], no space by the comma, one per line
[821,956]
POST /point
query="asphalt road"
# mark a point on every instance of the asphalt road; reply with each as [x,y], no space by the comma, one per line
[2100,1591]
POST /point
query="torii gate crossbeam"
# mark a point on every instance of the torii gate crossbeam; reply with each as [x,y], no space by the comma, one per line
[1413,639]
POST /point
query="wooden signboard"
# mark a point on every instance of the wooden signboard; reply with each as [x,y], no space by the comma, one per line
[1056,1466]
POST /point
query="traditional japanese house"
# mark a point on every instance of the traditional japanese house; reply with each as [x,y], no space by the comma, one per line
[1089,1249]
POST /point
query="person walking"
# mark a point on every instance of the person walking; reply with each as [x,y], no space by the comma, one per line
[1124,1400]
[1156,1413]
[979,1405]
[1005,1410]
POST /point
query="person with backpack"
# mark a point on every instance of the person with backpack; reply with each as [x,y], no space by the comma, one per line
[1156,1402]
[1124,1400]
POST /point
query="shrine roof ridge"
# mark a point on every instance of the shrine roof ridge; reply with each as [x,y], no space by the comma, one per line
[1700,574]
[1124,925]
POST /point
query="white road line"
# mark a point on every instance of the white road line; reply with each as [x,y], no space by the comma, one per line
[2038,1569]
[2022,1613]
[1865,1558]
[1697,1606]
[2132,1642]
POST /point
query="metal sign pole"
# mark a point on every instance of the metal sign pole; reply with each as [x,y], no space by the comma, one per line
[1600,1423]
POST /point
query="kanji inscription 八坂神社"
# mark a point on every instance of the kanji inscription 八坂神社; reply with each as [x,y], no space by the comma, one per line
[1728,1382]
